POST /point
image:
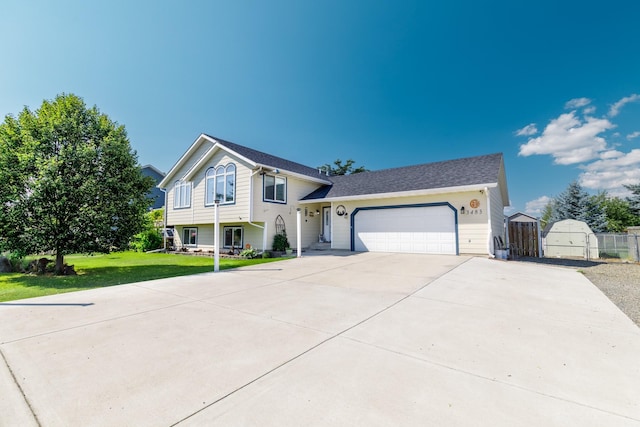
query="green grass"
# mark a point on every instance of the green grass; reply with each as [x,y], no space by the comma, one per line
[98,271]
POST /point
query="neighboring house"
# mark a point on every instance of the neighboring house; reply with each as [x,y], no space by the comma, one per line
[448,207]
[155,194]
[569,238]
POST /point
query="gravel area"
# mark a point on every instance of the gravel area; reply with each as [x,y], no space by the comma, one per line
[619,281]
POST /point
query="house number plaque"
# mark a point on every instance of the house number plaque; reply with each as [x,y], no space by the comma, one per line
[475,204]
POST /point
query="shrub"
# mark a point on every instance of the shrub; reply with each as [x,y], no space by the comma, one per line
[266,254]
[280,242]
[249,253]
[148,240]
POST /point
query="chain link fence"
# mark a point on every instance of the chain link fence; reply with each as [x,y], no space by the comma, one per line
[591,246]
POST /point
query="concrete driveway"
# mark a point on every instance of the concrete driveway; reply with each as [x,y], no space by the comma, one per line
[329,339]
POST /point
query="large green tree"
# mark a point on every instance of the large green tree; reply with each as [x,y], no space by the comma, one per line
[70,181]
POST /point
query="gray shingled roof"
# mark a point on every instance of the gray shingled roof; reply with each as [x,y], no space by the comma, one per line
[450,173]
[270,160]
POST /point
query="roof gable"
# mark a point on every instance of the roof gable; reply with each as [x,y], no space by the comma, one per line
[253,157]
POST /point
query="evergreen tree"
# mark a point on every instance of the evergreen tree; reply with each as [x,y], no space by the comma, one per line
[70,182]
[634,199]
[595,213]
[570,204]
[575,203]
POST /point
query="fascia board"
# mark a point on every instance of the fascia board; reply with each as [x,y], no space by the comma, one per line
[295,174]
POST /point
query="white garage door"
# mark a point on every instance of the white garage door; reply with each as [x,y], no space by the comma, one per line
[423,229]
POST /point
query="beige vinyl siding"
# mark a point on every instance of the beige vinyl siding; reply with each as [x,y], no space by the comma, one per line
[234,212]
[183,215]
[472,227]
[198,213]
[267,212]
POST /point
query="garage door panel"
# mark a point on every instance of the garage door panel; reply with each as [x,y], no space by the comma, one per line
[424,229]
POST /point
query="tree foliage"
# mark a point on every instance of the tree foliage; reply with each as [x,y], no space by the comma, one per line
[601,212]
[71,183]
[337,168]
[634,199]
[619,215]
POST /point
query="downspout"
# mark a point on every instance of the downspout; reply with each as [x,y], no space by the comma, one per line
[263,227]
[489,231]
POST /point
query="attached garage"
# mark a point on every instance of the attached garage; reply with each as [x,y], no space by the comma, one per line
[424,228]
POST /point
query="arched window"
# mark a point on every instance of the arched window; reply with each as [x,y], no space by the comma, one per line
[221,184]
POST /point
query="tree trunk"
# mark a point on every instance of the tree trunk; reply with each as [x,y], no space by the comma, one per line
[59,264]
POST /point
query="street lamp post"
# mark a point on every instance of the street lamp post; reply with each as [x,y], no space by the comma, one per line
[216,237]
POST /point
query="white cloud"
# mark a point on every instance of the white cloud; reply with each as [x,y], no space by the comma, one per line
[615,108]
[577,103]
[569,140]
[589,110]
[535,207]
[633,135]
[528,130]
[611,173]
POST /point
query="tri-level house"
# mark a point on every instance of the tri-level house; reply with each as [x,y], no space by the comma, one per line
[447,207]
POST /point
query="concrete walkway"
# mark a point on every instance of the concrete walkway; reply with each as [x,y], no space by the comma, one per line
[329,339]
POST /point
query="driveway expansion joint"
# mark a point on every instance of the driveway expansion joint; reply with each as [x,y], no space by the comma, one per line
[17,384]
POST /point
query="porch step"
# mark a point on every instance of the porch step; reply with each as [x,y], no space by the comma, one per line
[320,246]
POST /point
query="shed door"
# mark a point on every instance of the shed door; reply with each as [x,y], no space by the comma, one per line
[421,229]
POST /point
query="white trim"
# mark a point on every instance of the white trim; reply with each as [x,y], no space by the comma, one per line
[410,193]
[294,174]
[169,176]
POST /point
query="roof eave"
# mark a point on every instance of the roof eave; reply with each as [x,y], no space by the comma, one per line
[423,192]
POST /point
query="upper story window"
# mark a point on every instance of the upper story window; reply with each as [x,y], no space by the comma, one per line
[221,184]
[182,194]
[275,189]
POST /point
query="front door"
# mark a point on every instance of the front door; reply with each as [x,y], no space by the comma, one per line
[326,223]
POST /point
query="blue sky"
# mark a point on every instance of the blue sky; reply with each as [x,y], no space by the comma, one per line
[552,84]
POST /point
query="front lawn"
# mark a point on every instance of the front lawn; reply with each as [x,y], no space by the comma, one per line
[98,271]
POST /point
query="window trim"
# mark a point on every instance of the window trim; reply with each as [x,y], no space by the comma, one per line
[232,227]
[264,187]
[211,179]
[190,245]
[178,188]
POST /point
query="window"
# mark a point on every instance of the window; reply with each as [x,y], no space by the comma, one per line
[221,184]
[275,189]
[182,194]
[232,237]
[189,236]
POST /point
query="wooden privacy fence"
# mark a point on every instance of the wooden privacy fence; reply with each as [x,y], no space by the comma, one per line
[523,239]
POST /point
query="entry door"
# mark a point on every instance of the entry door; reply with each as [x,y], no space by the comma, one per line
[326,223]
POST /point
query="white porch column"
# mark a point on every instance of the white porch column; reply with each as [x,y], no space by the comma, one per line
[216,237]
[264,238]
[299,232]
